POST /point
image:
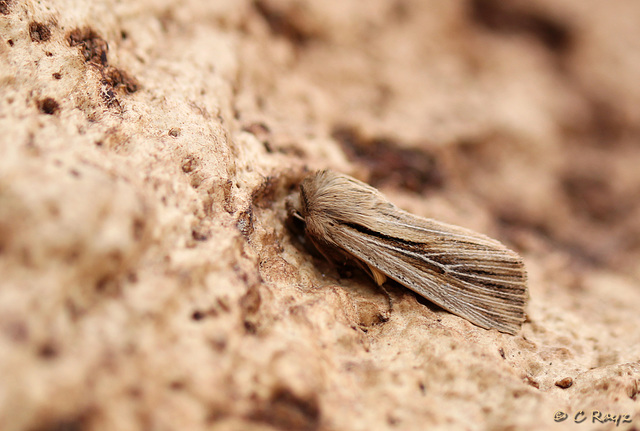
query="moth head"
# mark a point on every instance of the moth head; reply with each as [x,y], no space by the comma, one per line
[298,204]
[296,218]
[296,213]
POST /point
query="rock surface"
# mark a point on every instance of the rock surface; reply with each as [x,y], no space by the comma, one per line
[148,280]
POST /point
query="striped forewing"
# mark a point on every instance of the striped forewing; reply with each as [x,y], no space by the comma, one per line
[462,271]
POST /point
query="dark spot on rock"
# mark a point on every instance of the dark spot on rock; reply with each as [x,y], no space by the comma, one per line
[244,223]
[218,343]
[198,235]
[189,164]
[265,195]
[138,228]
[530,381]
[501,351]
[57,75]
[392,420]
[10,42]
[78,422]
[284,22]
[93,48]
[511,18]
[287,410]
[261,132]
[17,331]
[177,385]
[175,132]
[102,283]
[4,7]
[135,392]
[591,194]
[223,304]
[226,192]
[117,78]
[565,383]
[634,390]
[250,301]
[109,96]
[198,315]
[607,127]
[249,306]
[48,351]
[250,327]
[413,169]
[48,106]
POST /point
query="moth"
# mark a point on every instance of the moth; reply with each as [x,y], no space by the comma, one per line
[464,272]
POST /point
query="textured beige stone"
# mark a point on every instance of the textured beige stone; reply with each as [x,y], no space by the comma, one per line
[148,281]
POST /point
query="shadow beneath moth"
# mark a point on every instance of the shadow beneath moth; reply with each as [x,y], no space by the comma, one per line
[464,272]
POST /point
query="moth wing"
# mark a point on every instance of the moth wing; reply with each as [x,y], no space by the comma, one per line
[462,271]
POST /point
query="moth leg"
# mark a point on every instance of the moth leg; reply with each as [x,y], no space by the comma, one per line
[380,278]
[325,252]
[336,257]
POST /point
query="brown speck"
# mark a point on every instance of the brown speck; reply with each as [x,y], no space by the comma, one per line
[57,75]
[250,327]
[529,380]
[284,22]
[390,163]
[17,331]
[39,32]
[10,42]
[261,132]
[565,383]
[109,96]
[199,235]
[288,410]
[48,106]
[174,131]
[189,164]
[218,343]
[48,351]
[257,129]
[501,351]
[118,78]
[78,422]
[138,228]
[223,304]
[244,223]
[509,18]
[264,195]
[93,48]
[177,385]
[135,392]
[593,195]
[250,301]
[198,315]
[102,284]
[634,390]
[4,6]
